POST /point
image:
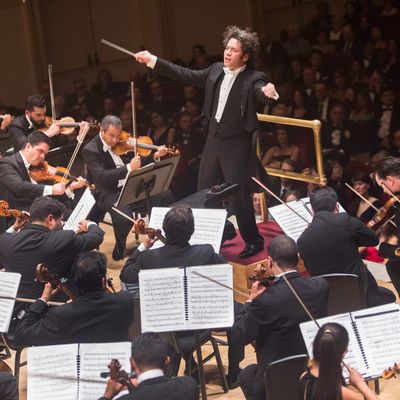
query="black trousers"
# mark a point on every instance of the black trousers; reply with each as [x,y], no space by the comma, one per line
[252,388]
[226,160]
[393,269]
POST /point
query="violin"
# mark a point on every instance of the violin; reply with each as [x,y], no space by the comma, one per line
[126,144]
[261,276]
[141,229]
[40,173]
[5,211]
[67,125]
[383,215]
[119,375]
[44,276]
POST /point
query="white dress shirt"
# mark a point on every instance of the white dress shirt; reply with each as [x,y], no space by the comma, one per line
[150,374]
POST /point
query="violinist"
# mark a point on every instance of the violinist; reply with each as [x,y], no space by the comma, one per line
[32,120]
[94,316]
[8,387]
[149,360]
[17,187]
[271,316]
[387,176]
[108,170]
[43,241]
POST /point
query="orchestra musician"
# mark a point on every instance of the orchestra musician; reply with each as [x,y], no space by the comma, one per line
[108,171]
[330,245]
[178,226]
[94,316]
[8,387]
[32,120]
[16,185]
[387,175]
[43,241]
[232,89]
[271,316]
[149,360]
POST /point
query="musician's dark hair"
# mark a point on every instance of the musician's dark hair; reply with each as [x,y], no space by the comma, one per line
[36,100]
[89,271]
[35,138]
[248,39]
[150,351]
[328,349]
[283,251]
[323,199]
[178,224]
[388,166]
[110,120]
[44,206]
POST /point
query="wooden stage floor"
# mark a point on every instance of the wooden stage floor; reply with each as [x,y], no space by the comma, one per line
[390,389]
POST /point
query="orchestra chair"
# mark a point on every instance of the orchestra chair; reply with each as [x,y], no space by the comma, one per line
[346,293]
[7,340]
[186,348]
[281,378]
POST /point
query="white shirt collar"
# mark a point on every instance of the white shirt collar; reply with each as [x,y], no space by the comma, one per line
[106,147]
[30,122]
[284,273]
[150,374]
[235,71]
[26,163]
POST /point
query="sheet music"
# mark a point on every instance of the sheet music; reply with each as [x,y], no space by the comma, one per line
[209,225]
[379,329]
[209,304]
[162,295]
[353,356]
[378,270]
[94,359]
[9,283]
[52,372]
[81,211]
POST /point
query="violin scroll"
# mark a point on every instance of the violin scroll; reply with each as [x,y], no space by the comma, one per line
[141,229]
[5,211]
[261,276]
[119,375]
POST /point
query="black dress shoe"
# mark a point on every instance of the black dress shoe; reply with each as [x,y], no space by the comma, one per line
[251,249]
[116,254]
[233,382]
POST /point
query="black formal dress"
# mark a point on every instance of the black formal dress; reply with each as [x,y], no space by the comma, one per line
[8,387]
[19,129]
[104,173]
[22,251]
[163,388]
[187,255]
[330,245]
[96,317]
[229,153]
[272,320]
[16,186]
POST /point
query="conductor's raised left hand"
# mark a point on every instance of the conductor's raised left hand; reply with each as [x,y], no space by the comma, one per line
[270,91]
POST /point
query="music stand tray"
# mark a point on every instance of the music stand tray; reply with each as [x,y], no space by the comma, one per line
[148,181]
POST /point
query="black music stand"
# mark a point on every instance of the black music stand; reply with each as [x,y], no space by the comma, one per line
[148,181]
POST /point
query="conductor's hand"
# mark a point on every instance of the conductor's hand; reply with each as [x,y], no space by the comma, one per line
[270,91]
[135,163]
[143,57]
[58,189]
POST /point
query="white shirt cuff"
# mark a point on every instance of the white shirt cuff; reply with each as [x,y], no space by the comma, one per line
[70,194]
[91,223]
[128,167]
[48,190]
[142,247]
[152,63]
[11,230]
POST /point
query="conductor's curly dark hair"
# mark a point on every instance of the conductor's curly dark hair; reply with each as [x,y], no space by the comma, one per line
[247,38]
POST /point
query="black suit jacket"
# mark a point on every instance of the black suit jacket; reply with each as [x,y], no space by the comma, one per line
[169,256]
[8,387]
[15,184]
[22,251]
[91,318]
[102,172]
[330,245]
[272,319]
[19,130]
[163,388]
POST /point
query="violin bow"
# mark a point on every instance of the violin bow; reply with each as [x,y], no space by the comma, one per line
[368,202]
[26,300]
[52,104]
[279,199]
[134,117]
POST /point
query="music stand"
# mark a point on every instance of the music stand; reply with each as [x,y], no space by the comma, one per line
[148,181]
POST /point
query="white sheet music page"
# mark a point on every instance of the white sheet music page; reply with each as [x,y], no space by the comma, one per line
[9,283]
[81,211]
[209,304]
[53,372]
[209,225]
[94,359]
[379,329]
[162,296]
[353,357]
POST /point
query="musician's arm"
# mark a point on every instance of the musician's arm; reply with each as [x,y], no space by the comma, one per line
[131,269]
[17,136]
[363,235]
